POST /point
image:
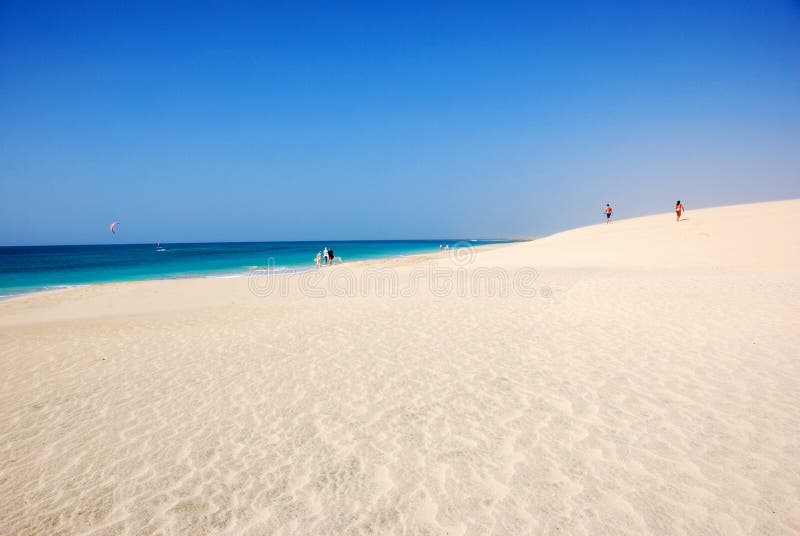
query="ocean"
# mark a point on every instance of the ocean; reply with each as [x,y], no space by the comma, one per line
[31,268]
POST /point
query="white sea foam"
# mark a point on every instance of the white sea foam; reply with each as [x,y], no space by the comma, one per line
[47,288]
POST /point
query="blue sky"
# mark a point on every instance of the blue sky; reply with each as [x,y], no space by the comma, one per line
[223,121]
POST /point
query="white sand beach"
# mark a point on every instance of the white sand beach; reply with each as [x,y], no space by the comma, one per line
[635,378]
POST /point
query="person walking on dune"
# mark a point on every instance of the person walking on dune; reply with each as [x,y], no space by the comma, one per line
[678,210]
[609,212]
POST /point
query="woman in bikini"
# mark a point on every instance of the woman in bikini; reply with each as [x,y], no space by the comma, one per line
[678,210]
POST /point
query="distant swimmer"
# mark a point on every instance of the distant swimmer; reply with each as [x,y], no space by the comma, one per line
[678,210]
[609,212]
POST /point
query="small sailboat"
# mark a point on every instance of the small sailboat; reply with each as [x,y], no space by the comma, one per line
[159,248]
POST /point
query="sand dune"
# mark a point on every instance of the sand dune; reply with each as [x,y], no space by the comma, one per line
[635,378]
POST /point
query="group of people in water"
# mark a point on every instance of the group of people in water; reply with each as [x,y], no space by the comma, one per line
[325,256]
[678,211]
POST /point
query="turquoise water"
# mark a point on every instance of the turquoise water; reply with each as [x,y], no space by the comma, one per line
[30,268]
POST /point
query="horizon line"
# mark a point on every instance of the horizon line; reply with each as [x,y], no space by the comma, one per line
[507,239]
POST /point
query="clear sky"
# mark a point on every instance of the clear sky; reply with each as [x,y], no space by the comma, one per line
[223,121]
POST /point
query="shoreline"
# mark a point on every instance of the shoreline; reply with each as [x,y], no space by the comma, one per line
[280,271]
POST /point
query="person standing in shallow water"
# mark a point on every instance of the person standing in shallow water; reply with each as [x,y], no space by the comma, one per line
[678,210]
[609,212]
